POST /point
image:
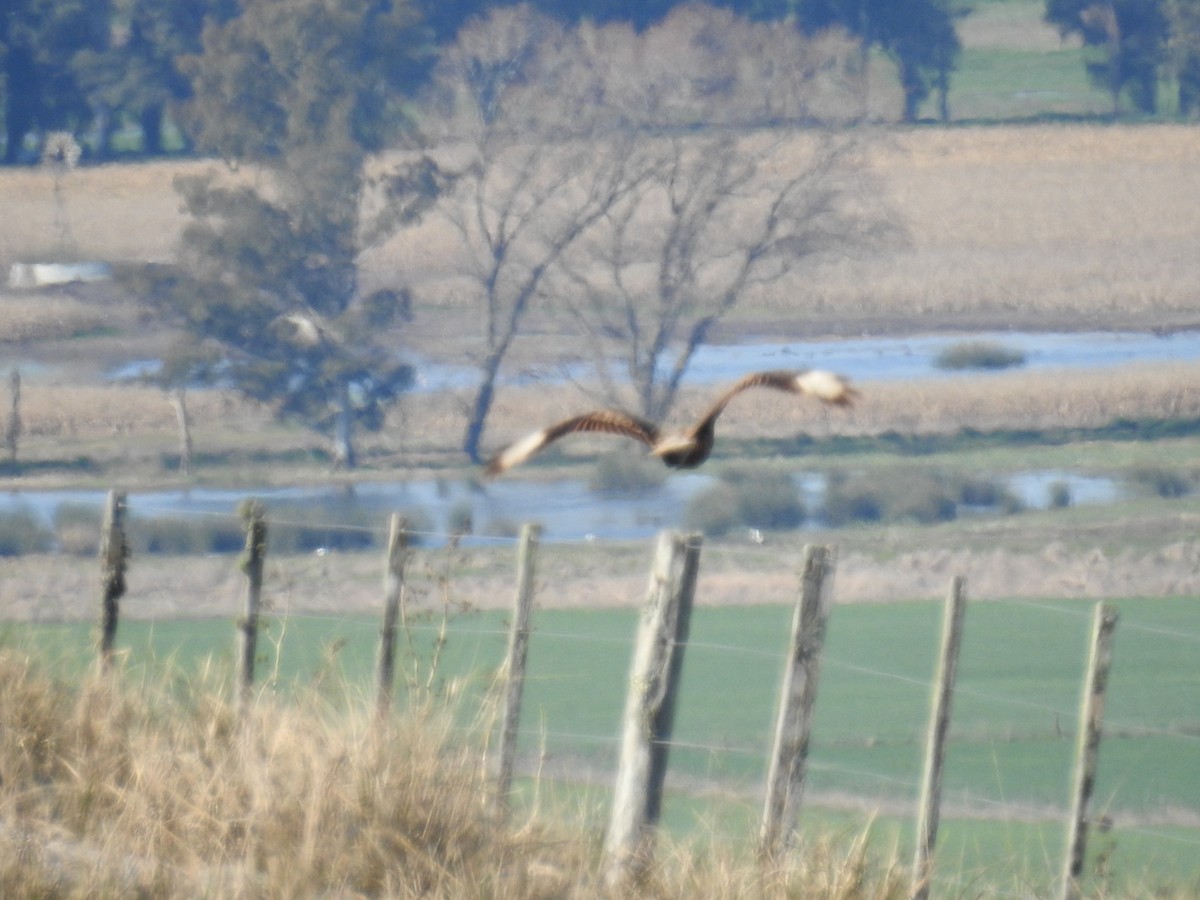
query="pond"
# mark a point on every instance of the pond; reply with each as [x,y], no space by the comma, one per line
[567,508]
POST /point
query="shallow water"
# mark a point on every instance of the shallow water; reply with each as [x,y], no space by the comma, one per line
[566,508]
[883,359]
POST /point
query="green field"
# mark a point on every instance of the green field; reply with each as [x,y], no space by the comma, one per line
[1008,760]
[999,84]
[1014,66]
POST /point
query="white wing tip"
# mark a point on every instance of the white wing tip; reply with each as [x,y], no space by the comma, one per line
[516,453]
[827,386]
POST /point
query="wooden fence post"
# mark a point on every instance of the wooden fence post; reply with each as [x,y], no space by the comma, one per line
[12,428]
[797,697]
[514,663]
[178,398]
[252,565]
[1087,745]
[393,589]
[114,552]
[650,707]
[929,803]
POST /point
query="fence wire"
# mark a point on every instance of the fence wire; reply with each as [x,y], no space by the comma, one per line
[860,755]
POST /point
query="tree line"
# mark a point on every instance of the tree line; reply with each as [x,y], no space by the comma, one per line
[121,71]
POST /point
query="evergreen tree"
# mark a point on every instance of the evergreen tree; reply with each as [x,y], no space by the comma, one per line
[918,34]
[266,287]
[1133,37]
[1184,18]
[39,42]
[138,75]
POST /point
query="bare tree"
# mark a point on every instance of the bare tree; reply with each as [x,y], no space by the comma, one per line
[518,68]
[520,207]
[653,239]
[504,70]
[673,257]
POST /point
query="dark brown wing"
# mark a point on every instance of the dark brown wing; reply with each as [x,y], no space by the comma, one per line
[608,421]
[825,386]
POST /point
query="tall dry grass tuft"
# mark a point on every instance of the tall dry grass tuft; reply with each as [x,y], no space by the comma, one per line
[831,866]
[160,788]
[116,787]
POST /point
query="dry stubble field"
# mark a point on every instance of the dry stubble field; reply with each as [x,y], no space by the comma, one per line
[1033,227]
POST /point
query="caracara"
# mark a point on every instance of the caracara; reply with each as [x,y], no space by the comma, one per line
[684,449]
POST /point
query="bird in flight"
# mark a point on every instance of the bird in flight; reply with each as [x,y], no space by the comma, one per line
[684,449]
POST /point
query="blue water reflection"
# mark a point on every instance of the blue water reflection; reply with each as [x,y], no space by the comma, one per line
[567,508]
[879,359]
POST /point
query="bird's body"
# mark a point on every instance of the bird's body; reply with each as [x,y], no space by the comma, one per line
[683,449]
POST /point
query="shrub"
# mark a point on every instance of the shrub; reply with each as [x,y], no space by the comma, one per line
[753,499]
[178,536]
[985,492]
[1163,482]
[850,500]
[502,527]
[461,518]
[892,496]
[713,511]
[978,355]
[626,474]
[923,498]
[77,528]
[1060,495]
[21,532]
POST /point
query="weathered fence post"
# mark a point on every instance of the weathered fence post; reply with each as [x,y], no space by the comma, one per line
[252,565]
[514,662]
[12,428]
[929,803]
[797,697]
[183,422]
[1087,745]
[393,589]
[114,552]
[650,707]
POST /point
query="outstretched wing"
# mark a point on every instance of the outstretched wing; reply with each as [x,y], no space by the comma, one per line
[608,421]
[825,386]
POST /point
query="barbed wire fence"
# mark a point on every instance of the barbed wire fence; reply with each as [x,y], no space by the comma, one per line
[599,752]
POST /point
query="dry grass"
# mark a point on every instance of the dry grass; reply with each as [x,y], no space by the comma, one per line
[129,433]
[1068,225]
[29,317]
[1064,226]
[1034,226]
[1016,399]
[114,212]
[117,790]
[1028,400]
[61,412]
